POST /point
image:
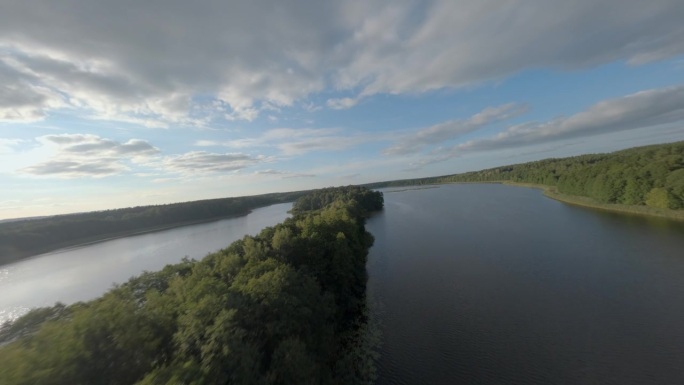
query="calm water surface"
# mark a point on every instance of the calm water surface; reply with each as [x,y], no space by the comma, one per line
[83,273]
[493,284]
[472,284]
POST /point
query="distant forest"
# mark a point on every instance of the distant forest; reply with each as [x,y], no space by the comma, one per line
[651,176]
[22,238]
[284,307]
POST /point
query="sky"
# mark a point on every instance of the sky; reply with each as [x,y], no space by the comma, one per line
[108,104]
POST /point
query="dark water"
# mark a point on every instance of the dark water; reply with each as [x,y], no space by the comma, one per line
[492,284]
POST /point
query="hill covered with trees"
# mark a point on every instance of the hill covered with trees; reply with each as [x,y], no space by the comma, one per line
[650,176]
[23,238]
[283,307]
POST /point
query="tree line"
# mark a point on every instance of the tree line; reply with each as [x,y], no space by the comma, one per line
[362,197]
[282,307]
[651,176]
[19,239]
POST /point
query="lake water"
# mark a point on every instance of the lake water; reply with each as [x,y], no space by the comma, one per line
[493,284]
[83,273]
[470,284]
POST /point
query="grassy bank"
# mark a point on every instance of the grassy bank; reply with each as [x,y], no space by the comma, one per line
[552,192]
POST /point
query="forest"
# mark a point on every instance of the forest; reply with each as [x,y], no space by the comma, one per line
[642,176]
[23,238]
[651,176]
[284,307]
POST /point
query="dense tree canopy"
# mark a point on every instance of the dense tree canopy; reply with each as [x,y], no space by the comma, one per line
[276,308]
[362,197]
[651,176]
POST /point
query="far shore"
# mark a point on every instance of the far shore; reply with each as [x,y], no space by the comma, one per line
[552,192]
[575,200]
[122,234]
[549,191]
[410,189]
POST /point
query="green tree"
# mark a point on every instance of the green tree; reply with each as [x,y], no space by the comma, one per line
[658,197]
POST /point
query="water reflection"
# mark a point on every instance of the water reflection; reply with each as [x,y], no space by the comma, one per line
[83,273]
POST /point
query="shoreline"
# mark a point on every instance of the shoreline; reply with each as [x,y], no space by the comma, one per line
[132,233]
[410,189]
[575,200]
[124,234]
[548,191]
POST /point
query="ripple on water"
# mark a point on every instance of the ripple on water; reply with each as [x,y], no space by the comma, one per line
[12,313]
[9,313]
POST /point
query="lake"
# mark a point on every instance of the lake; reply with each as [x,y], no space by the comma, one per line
[494,284]
[83,273]
[469,284]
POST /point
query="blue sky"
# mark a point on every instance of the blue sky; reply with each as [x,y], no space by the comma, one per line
[113,104]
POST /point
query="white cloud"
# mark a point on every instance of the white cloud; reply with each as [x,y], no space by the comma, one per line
[96,168]
[299,175]
[84,155]
[8,145]
[342,103]
[86,145]
[283,174]
[207,143]
[96,87]
[243,113]
[269,172]
[320,143]
[21,98]
[644,109]
[202,162]
[297,141]
[408,48]
[415,142]
[151,60]
[311,107]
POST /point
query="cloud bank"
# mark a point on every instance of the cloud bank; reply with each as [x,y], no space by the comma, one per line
[161,63]
[91,156]
[296,141]
[79,155]
[445,131]
[201,162]
[644,109]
